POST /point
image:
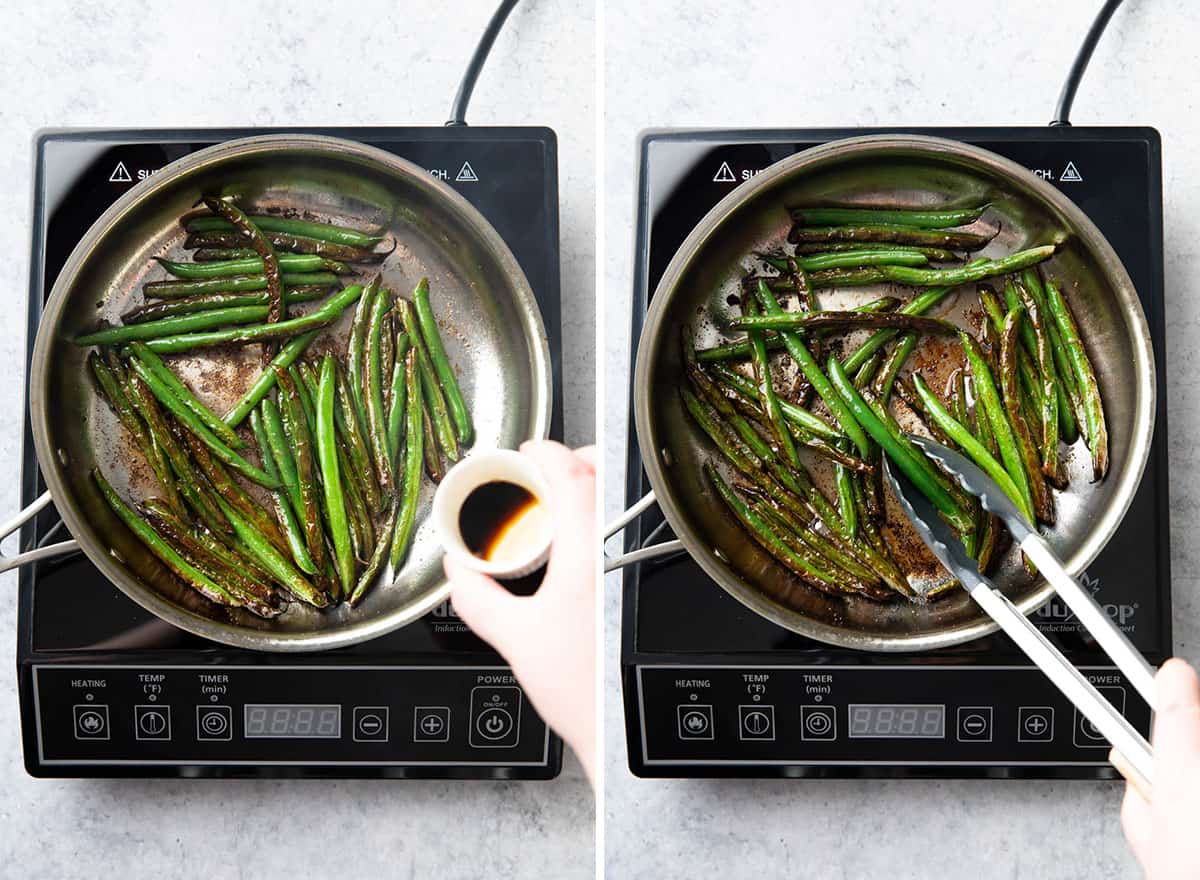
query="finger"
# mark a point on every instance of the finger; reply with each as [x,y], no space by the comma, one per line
[588,454]
[1177,721]
[492,612]
[1136,822]
[572,484]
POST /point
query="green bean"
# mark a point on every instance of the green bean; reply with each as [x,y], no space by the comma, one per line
[230,557]
[387,360]
[176,324]
[380,553]
[443,425]
[251,265]
[799,416]
[331,478]
[975,450]
[291,226]
[357,448]
[281,568]
[899,448]
[254,595]
[849,259]
[891,234]
[1033,332]
[987,398]
[767,397]
[813,321]
[145,413]
[236,284]
[362,530]
[433,459]
[1071,417]
[413,458]
[1031,401]
[463,426]
[295,426]
[281,453]
[968,274]
[936,254]
[307,392]
[892,366]
[110,389]
[790,522]
[283,509]
[804,566]
[329,312]
[741,350]
[205,302]
[395,419]
[373,396]
[730,445]
[193,423]
[284,241]
[228,489]
[266,380]
[913,401]
[712,395]
[355,359]
[1043,503]
[844,482]
[918,217]
[1085,375]
[812,371]
[250,234]
[170,557]
[157,366]
[918,305]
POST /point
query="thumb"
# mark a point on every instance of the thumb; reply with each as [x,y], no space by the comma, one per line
[492,612]
[1177,722]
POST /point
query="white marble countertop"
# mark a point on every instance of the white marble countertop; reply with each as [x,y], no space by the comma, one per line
[854,63]
[226,63]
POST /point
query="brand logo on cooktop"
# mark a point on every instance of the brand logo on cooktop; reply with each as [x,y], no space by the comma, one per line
[445,611]
[1056,611]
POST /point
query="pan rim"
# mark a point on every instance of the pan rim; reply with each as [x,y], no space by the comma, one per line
[932,147]
[146,596]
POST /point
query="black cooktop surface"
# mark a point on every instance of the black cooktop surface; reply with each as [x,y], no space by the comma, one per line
[675,617]
[70,614]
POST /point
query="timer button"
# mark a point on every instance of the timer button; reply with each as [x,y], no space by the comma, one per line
[818,723]
[214,723]
[495,717]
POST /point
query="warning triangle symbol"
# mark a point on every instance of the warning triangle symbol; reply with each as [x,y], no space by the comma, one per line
[724,174]
[1071,173]
[120,174]
[466,173]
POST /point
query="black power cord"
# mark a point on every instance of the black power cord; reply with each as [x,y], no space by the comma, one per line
[458,110]
[1062,115]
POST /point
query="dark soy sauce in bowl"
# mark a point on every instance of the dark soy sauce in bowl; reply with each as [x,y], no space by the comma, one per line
[502,522]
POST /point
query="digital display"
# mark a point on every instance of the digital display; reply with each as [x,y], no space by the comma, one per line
[282,721]
[897,721]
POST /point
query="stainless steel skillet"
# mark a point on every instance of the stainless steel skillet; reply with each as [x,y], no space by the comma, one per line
[907,171]
[491,324]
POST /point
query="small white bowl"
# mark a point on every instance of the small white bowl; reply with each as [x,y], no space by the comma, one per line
[478,469]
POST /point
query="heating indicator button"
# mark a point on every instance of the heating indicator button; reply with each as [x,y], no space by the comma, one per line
[695,720]
[91,721]
[495,717]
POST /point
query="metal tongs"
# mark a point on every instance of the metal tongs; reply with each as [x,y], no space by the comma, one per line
[1131,755]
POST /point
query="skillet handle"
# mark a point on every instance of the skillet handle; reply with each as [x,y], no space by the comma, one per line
[7,563]
[666,548]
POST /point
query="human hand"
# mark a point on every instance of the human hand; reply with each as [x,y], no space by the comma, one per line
[549,638]
[1162,833]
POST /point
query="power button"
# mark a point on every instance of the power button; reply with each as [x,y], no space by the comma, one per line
[495,717]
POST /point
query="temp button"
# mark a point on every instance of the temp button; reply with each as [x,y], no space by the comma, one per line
[152,722]
[495,717]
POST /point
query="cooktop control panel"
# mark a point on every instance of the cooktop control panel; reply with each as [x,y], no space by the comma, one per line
[817,716]
[283,716]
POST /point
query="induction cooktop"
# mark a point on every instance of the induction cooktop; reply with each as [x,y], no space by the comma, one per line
[107,689]
[712,689]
